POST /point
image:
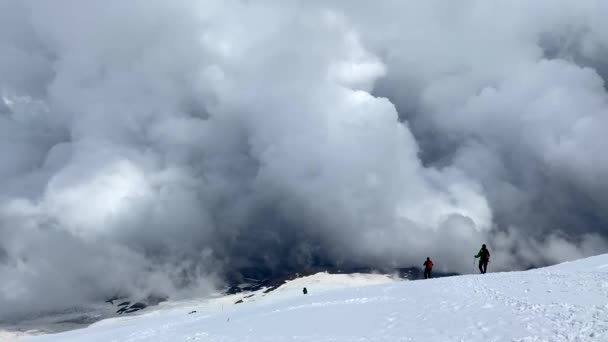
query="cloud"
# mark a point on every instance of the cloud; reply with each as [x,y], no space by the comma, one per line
[152,146]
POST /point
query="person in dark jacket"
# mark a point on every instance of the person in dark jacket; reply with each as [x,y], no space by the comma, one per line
[484,258]
[428,267]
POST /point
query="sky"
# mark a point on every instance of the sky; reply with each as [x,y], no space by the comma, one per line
[164,147]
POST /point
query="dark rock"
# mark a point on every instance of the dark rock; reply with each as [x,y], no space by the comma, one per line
[305,291]
[191,312]
[234,290]
[238,301]
[138,306]
[112,299]
[124,303]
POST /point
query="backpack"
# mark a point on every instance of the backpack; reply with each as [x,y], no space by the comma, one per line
[485,255]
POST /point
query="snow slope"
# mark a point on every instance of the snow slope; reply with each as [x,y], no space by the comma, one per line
[567,302]
[11,336]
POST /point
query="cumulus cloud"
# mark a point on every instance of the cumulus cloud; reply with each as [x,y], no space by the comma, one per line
[165,147]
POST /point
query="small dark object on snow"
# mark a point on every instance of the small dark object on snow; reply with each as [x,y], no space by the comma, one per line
[131,310]
[124,303]
[121,310]
[238,301]
[305,291]
[191,312]
[251,295]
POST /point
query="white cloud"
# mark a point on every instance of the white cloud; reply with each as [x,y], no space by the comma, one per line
[164,143]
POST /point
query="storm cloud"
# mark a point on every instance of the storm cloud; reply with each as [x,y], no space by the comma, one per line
[153,146]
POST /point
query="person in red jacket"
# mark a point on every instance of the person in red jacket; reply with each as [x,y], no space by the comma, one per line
[428,267]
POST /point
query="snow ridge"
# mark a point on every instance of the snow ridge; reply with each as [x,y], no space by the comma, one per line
[567,302]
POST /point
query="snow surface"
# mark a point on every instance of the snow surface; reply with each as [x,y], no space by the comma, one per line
[567,302]
[11,336]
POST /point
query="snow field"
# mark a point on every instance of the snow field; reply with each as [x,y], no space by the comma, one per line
[568,302]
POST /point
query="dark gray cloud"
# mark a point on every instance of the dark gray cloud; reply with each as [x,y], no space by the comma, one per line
[154,146]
